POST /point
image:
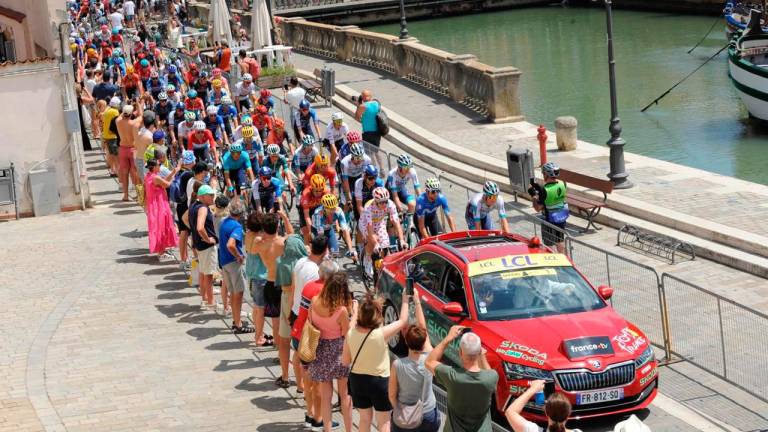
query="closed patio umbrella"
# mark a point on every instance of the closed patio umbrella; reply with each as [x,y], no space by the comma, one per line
[218,21]
[261,24]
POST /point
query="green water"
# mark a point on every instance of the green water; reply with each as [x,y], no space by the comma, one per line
[563,56]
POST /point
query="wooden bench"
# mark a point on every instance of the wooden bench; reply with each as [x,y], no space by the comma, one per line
[313,87]
[589,208]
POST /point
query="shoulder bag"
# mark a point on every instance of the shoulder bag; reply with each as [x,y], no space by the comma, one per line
[410,416]
[310,338]
[382,121]
[349,384]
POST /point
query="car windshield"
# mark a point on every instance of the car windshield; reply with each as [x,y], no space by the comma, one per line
[535,292]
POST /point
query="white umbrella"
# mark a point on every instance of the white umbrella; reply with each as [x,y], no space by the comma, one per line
[260,24]
[218,21]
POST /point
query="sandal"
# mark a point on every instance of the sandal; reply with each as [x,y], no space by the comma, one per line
[243,329]
[265,344]
[269,337]
[280,382]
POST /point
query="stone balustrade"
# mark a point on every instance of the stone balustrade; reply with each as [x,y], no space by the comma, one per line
[489,90]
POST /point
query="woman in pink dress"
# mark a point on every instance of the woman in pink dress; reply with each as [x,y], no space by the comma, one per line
[162,231]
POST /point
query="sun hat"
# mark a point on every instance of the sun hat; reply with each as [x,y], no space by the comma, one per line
[205,190]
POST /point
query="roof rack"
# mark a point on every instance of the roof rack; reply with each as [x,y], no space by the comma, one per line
[469,241]
[452,250]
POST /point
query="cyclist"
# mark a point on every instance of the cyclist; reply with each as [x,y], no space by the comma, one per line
[163,108]
[194,103]
[363,193]
[184,130]
[352,167]
[329,219]
[322,166]
[398,179]
[214,97]
[203,86]
[132,86]
[279,136]
[262,121]
[305,121]
[304,157]
[266,191]
[228,113]
[215,124]
[155,84]
[479,207]
[173,95]
[236,167]
[279,166]
[310,200]
[173,78]
[427,205]
[550,200]
[373,224]
[266,100]
[244,93]
[202,143]
[245,120]
[252,146]
[337,131]
[216,73]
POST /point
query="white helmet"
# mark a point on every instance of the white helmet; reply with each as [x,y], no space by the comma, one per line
[114,102]
[199,125]
[247,77]
[337,116]
[212,109]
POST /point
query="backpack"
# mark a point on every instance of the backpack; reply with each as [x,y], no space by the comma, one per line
[176,191]
[382,121]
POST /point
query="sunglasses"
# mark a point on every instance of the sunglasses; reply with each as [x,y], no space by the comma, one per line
[433,192]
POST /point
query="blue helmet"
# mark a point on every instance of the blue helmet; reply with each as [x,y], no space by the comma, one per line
[371,171]
[265,171]
[172,69]
[304,104]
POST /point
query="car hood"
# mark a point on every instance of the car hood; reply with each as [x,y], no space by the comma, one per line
[567,340]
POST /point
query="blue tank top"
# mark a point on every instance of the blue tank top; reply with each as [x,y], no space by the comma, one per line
[368,119]
[255,268]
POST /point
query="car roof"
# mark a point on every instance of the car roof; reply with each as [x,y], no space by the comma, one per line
[472,246]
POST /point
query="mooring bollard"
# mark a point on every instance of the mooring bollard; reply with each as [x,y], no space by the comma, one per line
[565,131]
[542,137]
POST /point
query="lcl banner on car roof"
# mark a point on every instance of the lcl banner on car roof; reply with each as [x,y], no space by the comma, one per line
[516,262]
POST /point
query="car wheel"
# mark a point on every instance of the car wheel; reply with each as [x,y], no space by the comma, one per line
[396,342]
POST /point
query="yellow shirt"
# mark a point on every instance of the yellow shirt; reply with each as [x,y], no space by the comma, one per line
[374,357]
[107,117]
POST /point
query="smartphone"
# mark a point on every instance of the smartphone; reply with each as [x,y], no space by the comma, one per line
[408,286]
[464,331]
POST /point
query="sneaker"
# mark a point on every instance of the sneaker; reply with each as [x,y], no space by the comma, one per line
[308,421]
[203,305]
[318,426]
[185,265]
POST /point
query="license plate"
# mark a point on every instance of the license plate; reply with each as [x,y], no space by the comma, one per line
[593,397]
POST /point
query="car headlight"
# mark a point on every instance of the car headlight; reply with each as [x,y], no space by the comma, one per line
[645,357]
[515,371]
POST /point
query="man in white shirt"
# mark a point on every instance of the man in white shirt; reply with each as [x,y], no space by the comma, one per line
[129,7]
[306,269]
[116,18]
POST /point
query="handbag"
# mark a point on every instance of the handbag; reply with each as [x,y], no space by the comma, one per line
[410,416]
[352,365]
[310,338]
[382,121]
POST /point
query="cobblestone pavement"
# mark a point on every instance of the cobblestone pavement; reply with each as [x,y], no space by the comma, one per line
[100,336]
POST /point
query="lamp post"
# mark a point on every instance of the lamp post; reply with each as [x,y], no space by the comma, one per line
[403,25]
[618,175]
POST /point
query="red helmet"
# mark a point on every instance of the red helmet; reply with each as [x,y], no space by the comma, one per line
[263,109]
[354,136]
[265,93]
[216,72]
[104,27]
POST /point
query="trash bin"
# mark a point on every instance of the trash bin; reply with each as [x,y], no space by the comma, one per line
[328,78]
[520,168]
[45,191]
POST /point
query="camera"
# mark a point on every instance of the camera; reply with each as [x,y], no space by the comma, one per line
[535,188]
[464,331]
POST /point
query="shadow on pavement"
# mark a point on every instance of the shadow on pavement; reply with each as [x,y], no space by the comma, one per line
[135,234]
[227,365]
[107,192]
[177,295]
[120,204]
[280,427]
[134,251]
[272,403]
[172,286]
[162,271]
[143,259]
[201,317]
[176,277]
[203,333]
[128,212]
[176,310]
[223,346]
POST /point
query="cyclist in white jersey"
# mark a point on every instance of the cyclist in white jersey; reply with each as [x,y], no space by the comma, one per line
[397,183]
[373,222]
[479,207]
[352,167]
[336,135]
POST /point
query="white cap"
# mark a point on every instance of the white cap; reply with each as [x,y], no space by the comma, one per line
[114,102]
[128,109]
[212,109]
[337,116]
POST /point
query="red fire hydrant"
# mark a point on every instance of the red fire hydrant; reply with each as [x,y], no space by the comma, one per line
[542,137]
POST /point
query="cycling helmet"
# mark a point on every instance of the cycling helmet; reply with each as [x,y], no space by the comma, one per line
[337,117]
[322,159]
[247,77]
[236,148]
[432,184]
[354,136]
[304,104]
[163,96]
[551,169]
[115,31]
[265,171]
[192,94]
[247,132]
[317,181]
[216,71]
[199,126]
[144,63]
[203,74]
[279,123]
[329,201]
[356,150]
[371,171]
[226,100]
[118,52]
[189,116]
[212,109]
[154,75]
[137,39]
[380,194]
[104,27]
[247,120]
[307,141]
[129,69]
[265,93]
[490,188]
[170,88]
[216,83]
[273,149]
[172,69]
[404,161]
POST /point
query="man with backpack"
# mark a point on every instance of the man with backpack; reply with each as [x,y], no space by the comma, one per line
[178,194]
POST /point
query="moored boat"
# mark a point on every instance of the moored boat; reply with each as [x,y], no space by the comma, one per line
[748,66]
[736,15]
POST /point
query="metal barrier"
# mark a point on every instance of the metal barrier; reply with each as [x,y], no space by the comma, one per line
[718,335]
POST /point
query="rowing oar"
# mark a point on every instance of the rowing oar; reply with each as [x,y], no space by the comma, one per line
[656,101]
[706,35]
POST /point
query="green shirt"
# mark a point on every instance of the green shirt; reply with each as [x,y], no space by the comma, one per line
[469,398]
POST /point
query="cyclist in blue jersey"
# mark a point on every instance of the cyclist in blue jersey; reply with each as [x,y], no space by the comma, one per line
[397,182]
[215,124]
[479,207]
[304,157]
[279,166]
[267,191]
[236,167]
[252,146]
[329,219]
[228,113]
[427,205]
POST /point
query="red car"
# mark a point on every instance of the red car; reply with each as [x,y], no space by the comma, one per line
[538,318]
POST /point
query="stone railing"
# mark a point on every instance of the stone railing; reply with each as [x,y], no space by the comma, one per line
[486,89]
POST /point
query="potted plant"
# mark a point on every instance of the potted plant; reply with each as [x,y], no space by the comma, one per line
[275,76]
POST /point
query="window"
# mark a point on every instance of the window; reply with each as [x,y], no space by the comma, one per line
[433,267]
[454,287]
[7,48]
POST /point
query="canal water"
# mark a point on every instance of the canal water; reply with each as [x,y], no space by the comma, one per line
[563,56]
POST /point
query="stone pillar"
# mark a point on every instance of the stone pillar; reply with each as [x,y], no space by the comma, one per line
[290,33]
[401,56]
[343,42]
[565,128]
[456,85]
[504,100]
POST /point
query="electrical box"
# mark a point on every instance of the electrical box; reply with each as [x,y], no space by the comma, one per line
[45,191]
[520,168]
[328,78]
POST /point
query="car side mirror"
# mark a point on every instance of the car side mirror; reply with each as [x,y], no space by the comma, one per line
[453,309]
[605,292]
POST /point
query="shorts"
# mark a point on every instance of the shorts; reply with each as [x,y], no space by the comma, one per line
[256,287]
[286,301]
[208,262]
[238,177]
[373,138]
[125,157]
[405,197]
[431,224]
[180,210]
[139,164]
[272,298]
[369,391]
[551,236]
[485,223]
[234,278]
[112,146]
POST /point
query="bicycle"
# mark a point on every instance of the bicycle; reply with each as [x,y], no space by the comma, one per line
[377,257]
[410,232]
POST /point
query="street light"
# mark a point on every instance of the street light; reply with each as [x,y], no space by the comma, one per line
[403,24]
[618,175]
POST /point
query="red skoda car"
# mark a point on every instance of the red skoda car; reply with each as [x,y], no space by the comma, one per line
[538,318]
